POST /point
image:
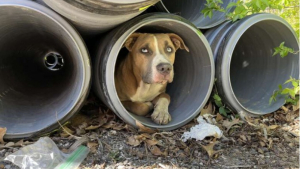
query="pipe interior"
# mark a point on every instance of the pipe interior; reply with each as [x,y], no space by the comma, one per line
[32,97]
[191,10]
[254,73]
[192,74]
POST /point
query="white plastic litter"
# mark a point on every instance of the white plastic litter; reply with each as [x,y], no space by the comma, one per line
[202,130]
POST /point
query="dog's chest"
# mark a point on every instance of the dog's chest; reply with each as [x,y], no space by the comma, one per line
[147,92]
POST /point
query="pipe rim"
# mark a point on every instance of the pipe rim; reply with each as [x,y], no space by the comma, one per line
[111,91]
[84,57]
[228,51]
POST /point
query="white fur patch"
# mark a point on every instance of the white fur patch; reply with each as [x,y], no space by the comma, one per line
[162,105]
[146,92]
[159,58]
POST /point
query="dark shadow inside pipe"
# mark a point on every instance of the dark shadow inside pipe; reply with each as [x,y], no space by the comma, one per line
[32,97]
[192,70]
[191,10]
[254,73]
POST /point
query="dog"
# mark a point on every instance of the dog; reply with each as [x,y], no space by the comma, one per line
[141,78]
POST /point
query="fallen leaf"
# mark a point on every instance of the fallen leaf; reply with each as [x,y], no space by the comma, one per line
[228,124]
[151,142]
[92,146]
[9,144]
[207,110]
[284,109]
[272,127]
[243,137]
[155,151]
[219,117]
[296,107]
[210,148]
[260,151]
[133,141]
[2,133]
[262,144]
[19,143]
[92,127]
[144,129]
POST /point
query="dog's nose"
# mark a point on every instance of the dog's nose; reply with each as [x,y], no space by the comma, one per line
[164,68]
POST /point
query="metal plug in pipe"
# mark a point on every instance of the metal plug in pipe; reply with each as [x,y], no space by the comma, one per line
[44,69]
[247,73]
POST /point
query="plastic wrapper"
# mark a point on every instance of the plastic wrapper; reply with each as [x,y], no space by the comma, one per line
[44,154]
[202,130]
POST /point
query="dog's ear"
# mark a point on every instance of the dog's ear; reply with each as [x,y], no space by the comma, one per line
[178,42]
[131,40]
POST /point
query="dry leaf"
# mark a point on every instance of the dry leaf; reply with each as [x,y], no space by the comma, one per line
[260,151]
[19,143]
[272,127]
[92,146]
[2,133]
[210,148]
[228,124]
[9,144]
[243,137]
[92,127]
[144,129]
[155,150]
[133,141]
[295,108]
[219,117]
[151,142]
[284,109]
[207,110]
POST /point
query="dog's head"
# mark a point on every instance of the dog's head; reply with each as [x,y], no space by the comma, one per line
[154,55]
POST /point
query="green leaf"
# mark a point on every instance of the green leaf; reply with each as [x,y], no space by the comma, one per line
[285,91]
[280,87]
[236,17]
[231,4]
[217,97]
[222,111]
[210,14]
[295,83]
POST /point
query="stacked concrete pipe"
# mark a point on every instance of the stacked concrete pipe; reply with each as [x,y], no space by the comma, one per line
[92,17]
[246,73]
[44,69]
[194,71]
[191,10]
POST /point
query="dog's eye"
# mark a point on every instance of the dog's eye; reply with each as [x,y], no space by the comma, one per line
[144,50]
[169,49]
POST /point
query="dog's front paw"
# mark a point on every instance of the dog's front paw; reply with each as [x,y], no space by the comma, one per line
[161,115]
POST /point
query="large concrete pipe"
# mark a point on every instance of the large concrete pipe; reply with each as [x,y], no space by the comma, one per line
[96,16]
[44,69]
[194,71]
[247,74]
[191,10]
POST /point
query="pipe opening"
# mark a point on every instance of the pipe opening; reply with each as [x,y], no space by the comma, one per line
[193,71]
[254,73]
[54,61]
[32,98]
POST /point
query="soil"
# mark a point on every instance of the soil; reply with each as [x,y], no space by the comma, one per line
[270,141]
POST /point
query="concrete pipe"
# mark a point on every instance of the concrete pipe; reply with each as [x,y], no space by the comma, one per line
[44,69]
[247,74]
[96,16]
[194,71]
[191,10]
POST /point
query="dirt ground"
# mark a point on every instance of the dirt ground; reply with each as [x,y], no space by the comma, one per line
[270,141]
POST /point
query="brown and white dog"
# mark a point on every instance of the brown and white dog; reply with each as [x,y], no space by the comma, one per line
[141,78]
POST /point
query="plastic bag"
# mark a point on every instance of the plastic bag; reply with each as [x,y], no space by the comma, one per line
[44,154]
[202,130]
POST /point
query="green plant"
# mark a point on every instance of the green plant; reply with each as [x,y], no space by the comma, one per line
[283,51]
[222,108]
[211,6]
[291,94]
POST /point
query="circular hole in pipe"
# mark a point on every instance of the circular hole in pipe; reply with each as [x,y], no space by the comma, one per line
[54,61]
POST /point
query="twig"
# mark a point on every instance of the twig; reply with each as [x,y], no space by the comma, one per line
[77,138]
